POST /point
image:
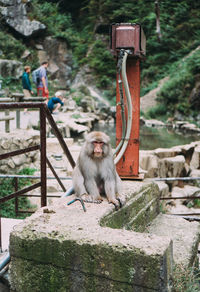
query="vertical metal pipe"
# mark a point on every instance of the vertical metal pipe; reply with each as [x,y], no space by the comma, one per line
[43,157]
[16,199]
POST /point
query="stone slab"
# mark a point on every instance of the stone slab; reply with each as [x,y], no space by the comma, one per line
[184,234]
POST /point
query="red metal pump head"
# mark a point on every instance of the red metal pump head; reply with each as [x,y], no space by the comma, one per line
[128,36]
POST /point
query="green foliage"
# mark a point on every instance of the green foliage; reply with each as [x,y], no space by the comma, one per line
[156,112]
[58,24]
[186,279]
[11,48]
[175,93]
[7,187]
[148,88]
[102,62]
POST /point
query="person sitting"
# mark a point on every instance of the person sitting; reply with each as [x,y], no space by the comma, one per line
[55,103]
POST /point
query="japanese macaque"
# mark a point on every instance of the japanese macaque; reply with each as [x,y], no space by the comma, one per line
[95,173]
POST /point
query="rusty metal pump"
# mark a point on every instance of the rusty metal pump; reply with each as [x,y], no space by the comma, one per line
[128,45]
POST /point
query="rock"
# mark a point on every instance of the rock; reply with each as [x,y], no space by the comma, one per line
[10,68]
[20,159]
[164,152]
[194,97]
[154,123]
[39,47]
[60,61]
[195,161]
[163,188]
[26,54]
[186,191]
[172,166]
[149,163]
[15,15]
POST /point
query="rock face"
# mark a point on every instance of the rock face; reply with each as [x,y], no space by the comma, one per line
[56,52]
[10,68]
[15,14]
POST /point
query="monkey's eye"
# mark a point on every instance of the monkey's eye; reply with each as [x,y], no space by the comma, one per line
[97,142]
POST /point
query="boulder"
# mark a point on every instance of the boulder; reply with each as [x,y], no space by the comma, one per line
[154,123]
[195,161]
[15,15]
[59,56]
[164,152]
[172,166]
[10,68]
[149,163]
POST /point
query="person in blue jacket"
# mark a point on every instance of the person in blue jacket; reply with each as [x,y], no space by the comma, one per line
[26,83]
[55,103]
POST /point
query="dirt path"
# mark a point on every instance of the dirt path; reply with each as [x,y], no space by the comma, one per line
[149,100]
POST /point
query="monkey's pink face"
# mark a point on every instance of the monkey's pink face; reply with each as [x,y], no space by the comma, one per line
[98,149]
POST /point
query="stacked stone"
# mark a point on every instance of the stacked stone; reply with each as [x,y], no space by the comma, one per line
[16,142]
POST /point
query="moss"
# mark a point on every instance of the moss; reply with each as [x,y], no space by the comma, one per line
[129,216]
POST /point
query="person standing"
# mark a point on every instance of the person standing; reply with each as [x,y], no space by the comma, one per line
[26,84]
[42,86]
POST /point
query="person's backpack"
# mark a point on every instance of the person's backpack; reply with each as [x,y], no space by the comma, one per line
[36,76]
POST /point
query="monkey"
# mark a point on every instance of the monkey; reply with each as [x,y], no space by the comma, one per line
[95,173]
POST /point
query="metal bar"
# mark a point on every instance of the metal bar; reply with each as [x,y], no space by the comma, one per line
[16,199]
[175,198]
[189,218]
[187,214]
[31,176]
[43,157]
[19,193]
[38,196]
[55,174]
[17,152]
[59,137]
[176,178]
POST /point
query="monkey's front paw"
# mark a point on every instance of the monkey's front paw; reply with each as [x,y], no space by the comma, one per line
[89,199]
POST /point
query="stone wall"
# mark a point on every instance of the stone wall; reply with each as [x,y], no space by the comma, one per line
[13,142]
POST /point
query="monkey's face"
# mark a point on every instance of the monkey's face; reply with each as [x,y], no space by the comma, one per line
[98,149]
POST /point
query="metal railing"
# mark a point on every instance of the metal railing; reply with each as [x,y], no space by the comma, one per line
[44,114]
[193,197]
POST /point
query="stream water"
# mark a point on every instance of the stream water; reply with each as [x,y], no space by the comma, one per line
[152,138]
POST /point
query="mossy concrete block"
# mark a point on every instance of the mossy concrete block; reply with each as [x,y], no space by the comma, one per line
[138,212]
[66,248]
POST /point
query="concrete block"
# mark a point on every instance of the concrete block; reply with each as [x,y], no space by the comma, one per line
[61,248]
[184,234]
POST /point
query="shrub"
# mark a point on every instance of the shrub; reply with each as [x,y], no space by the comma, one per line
[7,187]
